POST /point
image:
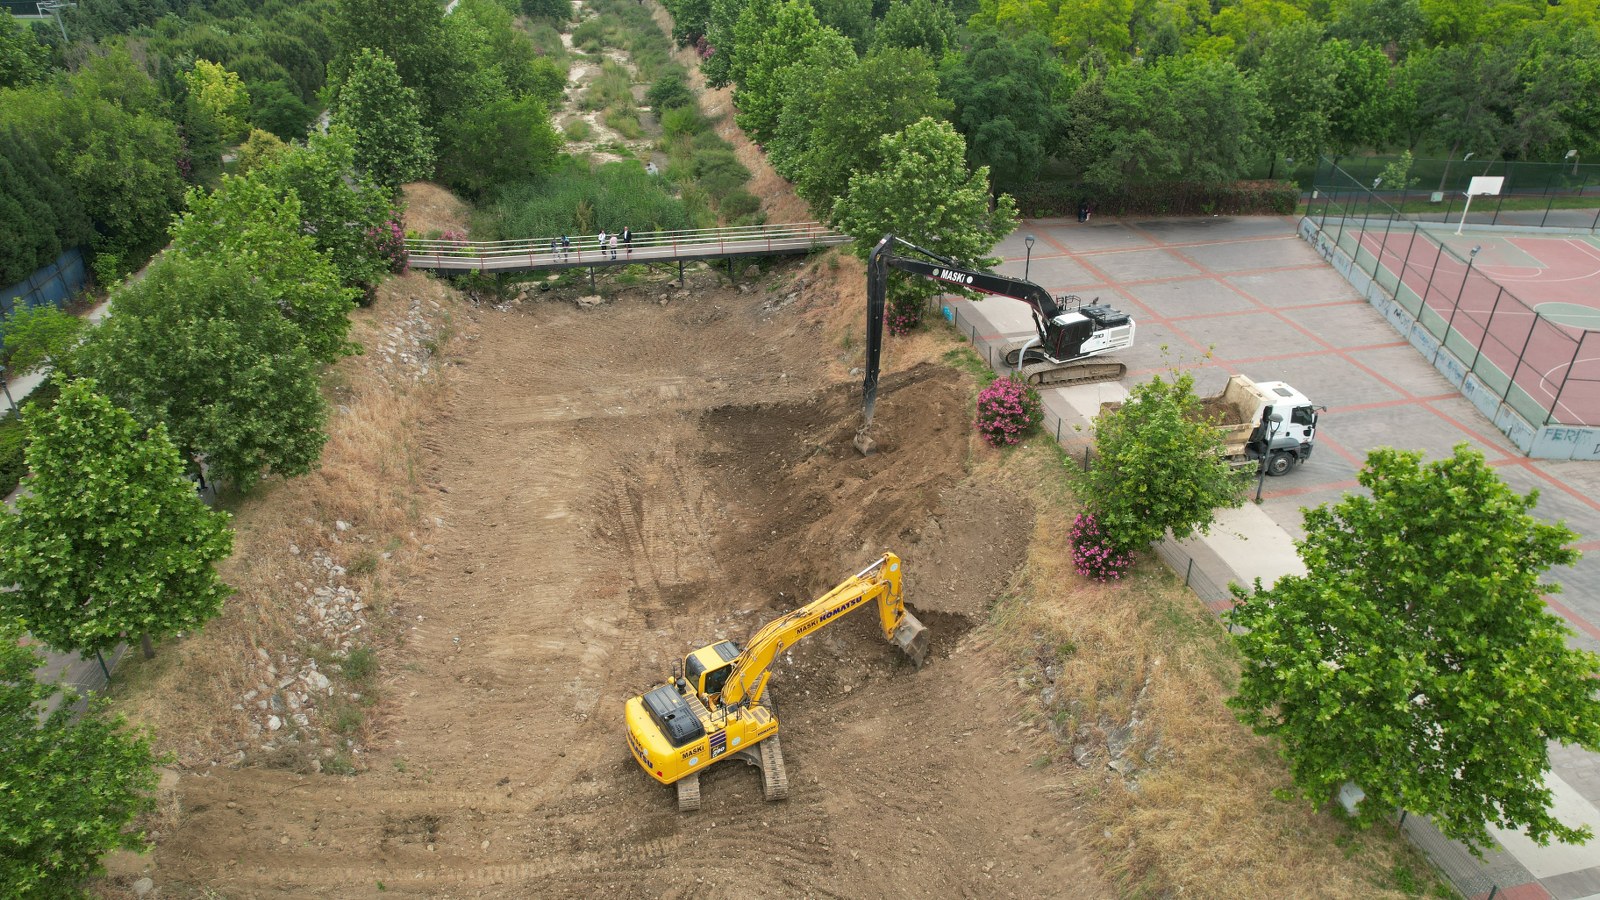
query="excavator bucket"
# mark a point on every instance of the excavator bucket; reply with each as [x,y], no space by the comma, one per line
[912,637]
[865,443]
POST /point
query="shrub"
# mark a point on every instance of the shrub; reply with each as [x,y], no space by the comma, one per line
[670,91]
[905,313]
[1093,553]
[13,441]
[576,130]
[738,204]
[680,121]
[1007,410]
[389,240]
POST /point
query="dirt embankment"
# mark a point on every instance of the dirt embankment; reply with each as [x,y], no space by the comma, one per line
[604,489]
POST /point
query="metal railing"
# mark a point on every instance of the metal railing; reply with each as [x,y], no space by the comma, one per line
[542,252]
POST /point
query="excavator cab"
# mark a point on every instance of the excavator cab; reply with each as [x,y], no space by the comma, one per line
[707,669]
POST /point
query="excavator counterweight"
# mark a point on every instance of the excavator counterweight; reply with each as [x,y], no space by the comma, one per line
[716,707]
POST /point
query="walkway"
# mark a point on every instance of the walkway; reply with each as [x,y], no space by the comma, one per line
[1219,296]
[546,254]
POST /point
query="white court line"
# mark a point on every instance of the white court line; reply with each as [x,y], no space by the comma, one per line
[1544,382]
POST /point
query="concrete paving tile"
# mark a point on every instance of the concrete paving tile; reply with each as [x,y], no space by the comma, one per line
[1345,326]
[1251,254]
[1213,228]
[1295,287]
[1189,297]
[1399,426]
[1143,265]
[1078,238]
[1250,336]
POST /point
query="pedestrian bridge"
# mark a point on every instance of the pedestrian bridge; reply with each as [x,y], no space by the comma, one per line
[546,254]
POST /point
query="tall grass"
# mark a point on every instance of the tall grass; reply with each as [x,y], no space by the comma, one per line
[611,195]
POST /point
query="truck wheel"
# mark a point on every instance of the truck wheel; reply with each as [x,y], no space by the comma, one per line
[1279,463]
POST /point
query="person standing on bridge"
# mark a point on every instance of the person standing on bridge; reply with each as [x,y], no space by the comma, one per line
[566,247]
[602,245]
[613,246]
[627,240]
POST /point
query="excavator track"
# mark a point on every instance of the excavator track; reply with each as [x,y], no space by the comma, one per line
[1048,374]
[688,792]
[774,778]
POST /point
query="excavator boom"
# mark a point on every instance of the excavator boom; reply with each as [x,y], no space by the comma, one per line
[1064,336]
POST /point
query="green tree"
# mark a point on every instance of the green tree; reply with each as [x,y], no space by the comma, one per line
[1003,92]
[1416,657]
[1379,23]
[1103,25]
[38,336]
[110,539]
[793,31]
[795,87]
[756,19]
[39,210]
[199,344]
[851,18]
[1462,94]
[721,17]
[925,193]
[70,786]
[339,209]
[275,108]
[413,34]
[1158,464]
[509,140]
[392,146]
[222,94]
[1298,85]
[856,106]
[260,229]
[669,91]
[23,60]
[925,25]
[1365,106]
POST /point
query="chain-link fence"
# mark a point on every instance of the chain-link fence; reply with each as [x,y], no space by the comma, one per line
[1544,370]
[1541,195]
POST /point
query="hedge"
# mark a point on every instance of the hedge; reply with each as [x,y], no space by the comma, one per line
[1058,198]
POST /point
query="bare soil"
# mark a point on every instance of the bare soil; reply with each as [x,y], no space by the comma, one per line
[613,487]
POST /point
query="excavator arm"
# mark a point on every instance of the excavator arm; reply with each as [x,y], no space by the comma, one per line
[880,581]
[938,268]
[1046,310]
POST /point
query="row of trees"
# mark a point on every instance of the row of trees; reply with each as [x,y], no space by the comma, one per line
[1114,93]
[1416,658]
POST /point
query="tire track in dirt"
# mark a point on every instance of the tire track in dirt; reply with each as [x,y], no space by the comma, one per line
[603,512]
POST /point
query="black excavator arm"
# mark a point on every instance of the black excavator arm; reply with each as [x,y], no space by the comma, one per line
[938,268]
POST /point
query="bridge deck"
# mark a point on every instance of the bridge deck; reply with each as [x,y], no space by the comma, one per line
[545,254]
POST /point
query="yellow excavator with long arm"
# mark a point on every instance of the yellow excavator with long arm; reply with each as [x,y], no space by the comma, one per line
[717,707]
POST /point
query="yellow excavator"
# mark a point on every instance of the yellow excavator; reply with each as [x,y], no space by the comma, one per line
[716,707]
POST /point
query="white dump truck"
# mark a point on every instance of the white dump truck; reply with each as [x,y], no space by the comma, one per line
[1263,423]
[1266,421]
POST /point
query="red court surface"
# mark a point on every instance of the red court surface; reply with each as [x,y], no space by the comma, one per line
[1523,313]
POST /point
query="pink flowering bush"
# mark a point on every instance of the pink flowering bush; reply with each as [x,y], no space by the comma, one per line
[904,314]
[1093,553]
[1007,409]
[389,239]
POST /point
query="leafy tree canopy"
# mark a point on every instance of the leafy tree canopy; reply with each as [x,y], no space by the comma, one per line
[70,787]
[221,94]
[110,539]
[200,344]
[392,146]
[506,141]
[1003,90]
[1158,465]
[925,25]
[259,228]
[1416,656]
[37,336]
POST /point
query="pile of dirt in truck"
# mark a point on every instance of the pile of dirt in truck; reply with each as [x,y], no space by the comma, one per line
[613,486]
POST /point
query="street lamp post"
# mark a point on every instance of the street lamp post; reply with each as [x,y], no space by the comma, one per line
[4,386]
[1273,422]
[1573,155]
[1027,263]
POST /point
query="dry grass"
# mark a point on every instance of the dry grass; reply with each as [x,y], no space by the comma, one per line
[368,478]
[1196,816]
[431,208]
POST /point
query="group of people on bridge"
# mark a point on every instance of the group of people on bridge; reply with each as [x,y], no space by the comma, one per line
[608,244]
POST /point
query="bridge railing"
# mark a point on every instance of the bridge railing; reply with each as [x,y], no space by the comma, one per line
[752,238]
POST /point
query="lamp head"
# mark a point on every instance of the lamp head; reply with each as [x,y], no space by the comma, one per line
[1029,239]
[1467,157]
[1570,154]
[1476,249]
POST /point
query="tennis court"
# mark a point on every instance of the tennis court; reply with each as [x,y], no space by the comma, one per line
[1519,312]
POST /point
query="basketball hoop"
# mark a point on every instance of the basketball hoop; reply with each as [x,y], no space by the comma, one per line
[1481,185]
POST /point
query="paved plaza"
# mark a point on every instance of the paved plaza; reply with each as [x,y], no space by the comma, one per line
[1219,296]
